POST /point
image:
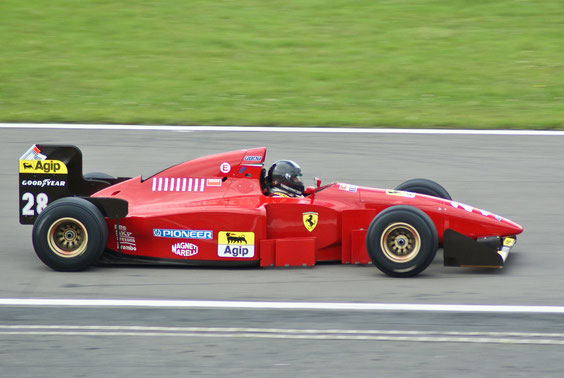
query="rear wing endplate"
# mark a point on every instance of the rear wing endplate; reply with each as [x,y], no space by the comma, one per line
[48,172]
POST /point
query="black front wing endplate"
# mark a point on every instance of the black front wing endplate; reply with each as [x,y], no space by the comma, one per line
[460,250]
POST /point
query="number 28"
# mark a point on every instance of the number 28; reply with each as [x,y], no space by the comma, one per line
[40,201]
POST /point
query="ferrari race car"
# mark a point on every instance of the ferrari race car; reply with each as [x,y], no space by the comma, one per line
[216,210]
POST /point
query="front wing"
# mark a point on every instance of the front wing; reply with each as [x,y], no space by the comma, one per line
[460,250]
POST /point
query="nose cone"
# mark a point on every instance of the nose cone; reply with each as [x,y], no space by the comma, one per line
[512,227]
[478,223]
[496,226]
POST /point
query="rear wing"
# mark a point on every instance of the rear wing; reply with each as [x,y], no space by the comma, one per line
[48,172]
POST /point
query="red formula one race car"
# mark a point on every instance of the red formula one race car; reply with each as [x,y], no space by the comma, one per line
[218,210]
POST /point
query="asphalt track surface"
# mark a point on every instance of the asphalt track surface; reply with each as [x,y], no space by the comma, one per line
[518,177]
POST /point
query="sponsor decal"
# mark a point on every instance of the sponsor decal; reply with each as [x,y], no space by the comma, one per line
[252,158]
[182,234]
[213,182]
[43,183]
[182,184]
[225,167]
[400,193]
[43,166]
[457,205]
[34,153]
[126,238]
[310,220]
[184,249]
[509,242]
[470,209]
[348,187]
[487,214]
[236,244]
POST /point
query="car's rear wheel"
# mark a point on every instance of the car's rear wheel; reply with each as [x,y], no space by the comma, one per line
[424,186]
[99,176]
[402,241]
[70,234]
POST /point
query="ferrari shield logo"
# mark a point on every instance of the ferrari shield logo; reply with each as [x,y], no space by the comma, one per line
[310,220]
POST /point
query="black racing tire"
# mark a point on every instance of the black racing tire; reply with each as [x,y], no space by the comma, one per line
[424,186]
[70,234]
[402,241]
[99,176]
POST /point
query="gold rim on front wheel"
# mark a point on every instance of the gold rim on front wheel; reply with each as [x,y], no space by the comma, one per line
[67,237]
[400,242]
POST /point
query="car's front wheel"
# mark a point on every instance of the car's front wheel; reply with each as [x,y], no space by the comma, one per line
[70,234]
[402,241]
[424,186]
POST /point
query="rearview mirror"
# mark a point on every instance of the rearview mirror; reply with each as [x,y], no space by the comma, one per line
[317,182]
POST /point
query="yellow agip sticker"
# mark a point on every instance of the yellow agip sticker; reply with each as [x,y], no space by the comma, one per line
[51,167]
[509,242]
[236,244]
[245,238]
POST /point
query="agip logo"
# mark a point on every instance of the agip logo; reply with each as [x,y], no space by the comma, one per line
[43,167]
[236,244]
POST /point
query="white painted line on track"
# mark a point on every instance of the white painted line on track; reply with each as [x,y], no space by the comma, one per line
[274,129]
[272,333]
[62,302]
[274,330]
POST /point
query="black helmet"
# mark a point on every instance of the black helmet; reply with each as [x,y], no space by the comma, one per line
[286,176]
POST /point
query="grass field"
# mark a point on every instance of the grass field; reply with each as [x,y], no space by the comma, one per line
[399,63]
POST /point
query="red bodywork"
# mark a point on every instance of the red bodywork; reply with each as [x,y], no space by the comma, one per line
[221,197]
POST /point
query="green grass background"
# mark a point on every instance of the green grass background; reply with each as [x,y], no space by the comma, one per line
[400,63]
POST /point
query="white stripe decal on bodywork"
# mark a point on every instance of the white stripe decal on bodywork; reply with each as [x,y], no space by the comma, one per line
[173,184]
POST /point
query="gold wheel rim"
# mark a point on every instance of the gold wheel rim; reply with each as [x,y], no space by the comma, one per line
[400,242]
[67,237]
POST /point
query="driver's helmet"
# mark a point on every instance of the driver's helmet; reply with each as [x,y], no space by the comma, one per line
[285,176]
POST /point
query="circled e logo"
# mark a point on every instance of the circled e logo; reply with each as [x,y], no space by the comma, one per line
[225,167]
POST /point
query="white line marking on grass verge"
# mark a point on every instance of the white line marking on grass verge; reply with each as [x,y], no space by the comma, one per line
[41,302]
[326,130]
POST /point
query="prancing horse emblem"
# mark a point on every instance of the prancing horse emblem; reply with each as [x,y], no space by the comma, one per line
[310,220]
